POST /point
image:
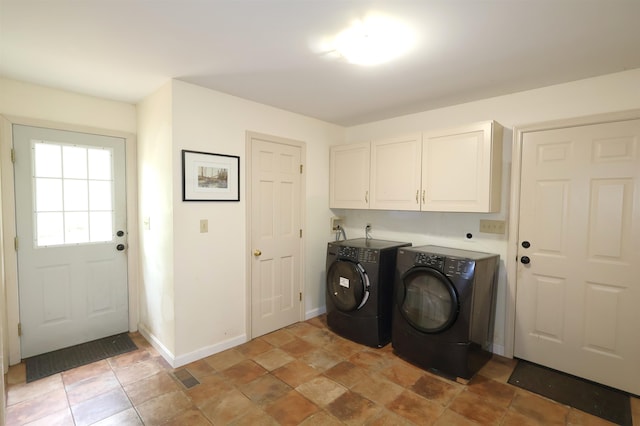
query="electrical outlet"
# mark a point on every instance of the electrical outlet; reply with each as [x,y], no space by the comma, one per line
[204,226]
[146,223]
[492,226]
[335,222]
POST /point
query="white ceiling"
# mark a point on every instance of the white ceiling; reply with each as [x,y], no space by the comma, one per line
[263,50]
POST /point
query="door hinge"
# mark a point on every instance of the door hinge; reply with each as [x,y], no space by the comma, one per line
[13,155]
[301,233]
[301,296]
[301,166]
[15,243]
[19,329]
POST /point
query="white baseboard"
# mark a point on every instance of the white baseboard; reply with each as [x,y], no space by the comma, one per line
[315,312]
[185,359]
[498,349]
[162,349]
[209,350]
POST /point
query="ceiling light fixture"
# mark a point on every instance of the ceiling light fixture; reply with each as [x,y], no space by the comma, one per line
[374,40]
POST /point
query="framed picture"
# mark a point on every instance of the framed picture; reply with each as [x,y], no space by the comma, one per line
[210,177]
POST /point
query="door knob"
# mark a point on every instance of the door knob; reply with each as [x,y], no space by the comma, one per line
[525,260]
[257,252]
[120,247]
[526,244]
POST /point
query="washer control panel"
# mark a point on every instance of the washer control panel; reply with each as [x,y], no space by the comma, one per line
[362,255]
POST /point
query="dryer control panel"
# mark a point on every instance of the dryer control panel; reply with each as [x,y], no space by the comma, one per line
[431,260]
[459,267]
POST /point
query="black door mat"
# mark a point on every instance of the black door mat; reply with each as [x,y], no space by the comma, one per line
[44,365]
[601,401]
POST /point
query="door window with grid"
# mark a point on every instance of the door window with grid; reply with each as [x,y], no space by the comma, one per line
[73,191]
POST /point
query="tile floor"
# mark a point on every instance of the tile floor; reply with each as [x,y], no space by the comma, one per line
[301,375]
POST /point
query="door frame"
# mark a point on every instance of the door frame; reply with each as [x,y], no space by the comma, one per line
[9,221]
[248,256]
[514,205]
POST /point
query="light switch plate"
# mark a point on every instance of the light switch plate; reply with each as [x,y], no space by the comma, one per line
[204,226]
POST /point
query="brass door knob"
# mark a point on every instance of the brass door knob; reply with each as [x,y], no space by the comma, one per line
[257,252]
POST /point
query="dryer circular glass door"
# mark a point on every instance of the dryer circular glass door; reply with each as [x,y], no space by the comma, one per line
[347,285]
[427,299]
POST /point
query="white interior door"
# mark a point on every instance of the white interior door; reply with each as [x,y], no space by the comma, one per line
[577,299]
[276,235]
[71,227]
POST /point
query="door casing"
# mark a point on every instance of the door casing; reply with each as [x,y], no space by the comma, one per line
[9,221]
[514,207]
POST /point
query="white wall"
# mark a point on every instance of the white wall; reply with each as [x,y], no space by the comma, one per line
[610,93]
[210,274]
[155,207]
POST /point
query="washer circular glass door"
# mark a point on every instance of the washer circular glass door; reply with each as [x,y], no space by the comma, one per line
[427,299]
[347,285]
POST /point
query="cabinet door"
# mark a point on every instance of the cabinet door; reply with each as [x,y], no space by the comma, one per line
[395,173]
[349,176]
[461,169]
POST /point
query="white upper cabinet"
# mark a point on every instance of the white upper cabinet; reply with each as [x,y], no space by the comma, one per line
[462,169]
[395,173]
[455,170]
[349,176]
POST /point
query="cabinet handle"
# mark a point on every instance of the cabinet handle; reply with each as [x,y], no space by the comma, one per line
[417,194]
[366,197]
[423,195]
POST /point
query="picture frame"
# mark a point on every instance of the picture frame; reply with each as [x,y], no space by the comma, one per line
[210,177]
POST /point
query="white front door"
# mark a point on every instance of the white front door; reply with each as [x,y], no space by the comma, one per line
[578,291]
[72,236]
[276,235]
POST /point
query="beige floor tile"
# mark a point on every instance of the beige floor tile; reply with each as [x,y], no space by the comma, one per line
[498,368]
[291,409]
[279,337]
[378,389]
[228,408]
[60,418]
[243,372]
[254,347]
[36,408]
[91,387]
[127,417]
[25,391]
[321,390]
[17,374]
[164,407]
[100,407]
[539,409]
[353,408]
[137,371]
[223,360]
[496,392]
[151,387]
[265,389]
[346,373]
[476,408]
[415,408]
[402,373]
[436,390]
[577,417]
[273,359]
[295,373]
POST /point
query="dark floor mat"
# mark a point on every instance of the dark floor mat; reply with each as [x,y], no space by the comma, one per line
[602,401]
[44,365]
